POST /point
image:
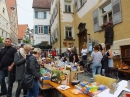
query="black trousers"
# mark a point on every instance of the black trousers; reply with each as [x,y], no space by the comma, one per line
[84,57]
[18,91]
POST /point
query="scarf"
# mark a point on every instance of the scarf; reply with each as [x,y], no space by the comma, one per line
[22,52]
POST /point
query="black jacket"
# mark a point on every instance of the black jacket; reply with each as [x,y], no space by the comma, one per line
[109,35]
[33,67]
[8,56]
[19,61]
[105,61]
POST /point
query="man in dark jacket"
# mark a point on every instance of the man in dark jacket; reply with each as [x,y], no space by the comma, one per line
[7,67]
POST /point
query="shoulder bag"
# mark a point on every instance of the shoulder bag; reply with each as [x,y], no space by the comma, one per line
[28,80]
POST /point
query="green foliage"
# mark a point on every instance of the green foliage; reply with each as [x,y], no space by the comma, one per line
[1,39]
[26,41]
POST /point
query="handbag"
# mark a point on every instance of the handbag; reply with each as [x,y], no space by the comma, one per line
[28,80]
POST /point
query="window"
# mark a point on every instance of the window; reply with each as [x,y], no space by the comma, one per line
[19,41]
[68,33]
[7,25]
[76,6]
[40,15]
[2,33]
[55,11]
[40,29]
[3,10]
[67,6]
[81,2]
[6,34]
[106,14]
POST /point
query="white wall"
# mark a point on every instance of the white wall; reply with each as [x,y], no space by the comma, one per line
[67,17]
[38,38]
[4,20]
[87,6]
[54,25]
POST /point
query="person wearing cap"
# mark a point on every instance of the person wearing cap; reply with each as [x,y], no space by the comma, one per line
[22,45]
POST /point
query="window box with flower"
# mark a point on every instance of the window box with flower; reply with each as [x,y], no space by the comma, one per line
[69,37]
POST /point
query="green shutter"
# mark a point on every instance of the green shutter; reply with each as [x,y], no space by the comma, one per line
[45,29]
[45,15]
[36,14]
[36,29]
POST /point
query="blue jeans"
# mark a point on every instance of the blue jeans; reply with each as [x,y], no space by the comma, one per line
[96,67]
[11,80]
[33,92]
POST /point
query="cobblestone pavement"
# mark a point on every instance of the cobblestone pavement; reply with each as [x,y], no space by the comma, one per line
[81,77]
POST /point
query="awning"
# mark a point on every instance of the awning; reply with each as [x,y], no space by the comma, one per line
[42,46]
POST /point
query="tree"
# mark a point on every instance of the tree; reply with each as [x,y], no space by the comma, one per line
[1,39]
[27,40]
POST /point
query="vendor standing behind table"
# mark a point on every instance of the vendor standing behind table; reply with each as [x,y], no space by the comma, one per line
[96,60]
[84,53]
[73,47]
[33,67]
[73,56]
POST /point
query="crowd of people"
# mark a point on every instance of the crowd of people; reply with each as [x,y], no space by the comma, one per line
[14,62]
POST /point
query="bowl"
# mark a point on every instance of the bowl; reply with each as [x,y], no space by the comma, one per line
[75,82]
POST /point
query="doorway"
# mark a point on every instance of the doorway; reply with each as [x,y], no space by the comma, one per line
[82,40]
[82,35]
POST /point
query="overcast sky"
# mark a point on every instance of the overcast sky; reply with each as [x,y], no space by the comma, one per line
[25,12]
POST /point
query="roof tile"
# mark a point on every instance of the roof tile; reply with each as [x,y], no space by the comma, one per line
[21,30]
[44,4]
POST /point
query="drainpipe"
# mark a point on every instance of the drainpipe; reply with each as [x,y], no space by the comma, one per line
[60,26]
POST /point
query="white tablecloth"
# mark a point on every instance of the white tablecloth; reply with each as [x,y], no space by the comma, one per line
[122,86]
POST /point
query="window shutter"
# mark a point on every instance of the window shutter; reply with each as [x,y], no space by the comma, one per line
[36,29]
[69,8]
[36,14]
[66,8]
[116,10]
[57,33]
[45,15]
[95,20]
[45,29]
[76,6]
